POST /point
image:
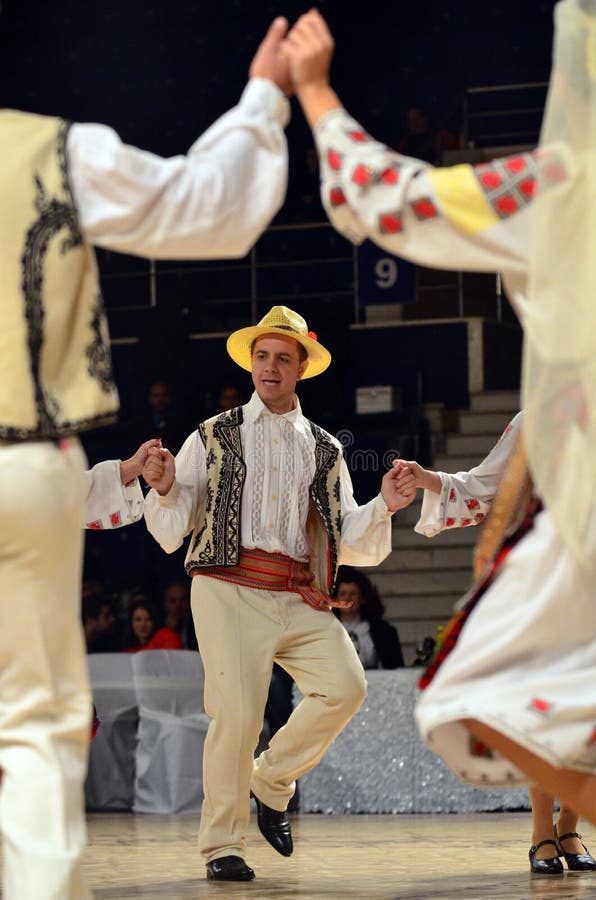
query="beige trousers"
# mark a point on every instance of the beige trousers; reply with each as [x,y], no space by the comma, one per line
[241,632]
[44,695]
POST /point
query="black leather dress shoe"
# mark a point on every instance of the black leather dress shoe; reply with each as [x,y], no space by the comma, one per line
[578,862]
[550,866]
[275,827]
[229,868]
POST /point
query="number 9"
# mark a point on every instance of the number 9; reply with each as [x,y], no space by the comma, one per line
[386,272]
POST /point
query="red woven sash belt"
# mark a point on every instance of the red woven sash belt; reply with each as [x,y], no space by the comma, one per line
[271,572]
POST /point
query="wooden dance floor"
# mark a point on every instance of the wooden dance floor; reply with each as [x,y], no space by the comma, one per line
[455,857]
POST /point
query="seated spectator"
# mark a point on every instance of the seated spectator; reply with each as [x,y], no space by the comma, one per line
[423,140]
[91,586]
[99,623]
[376,641]
[143,632]
[228,397]
[161,417]
[178,617]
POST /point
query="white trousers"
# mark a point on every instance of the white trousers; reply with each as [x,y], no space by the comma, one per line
[45,701]
[241,631]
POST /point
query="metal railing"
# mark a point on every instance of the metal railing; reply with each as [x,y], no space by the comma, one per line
[302,265]
[503,114]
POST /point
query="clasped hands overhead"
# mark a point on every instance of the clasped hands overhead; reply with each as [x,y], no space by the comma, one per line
[298,58]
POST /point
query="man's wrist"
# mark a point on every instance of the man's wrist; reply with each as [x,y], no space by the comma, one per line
[168,497]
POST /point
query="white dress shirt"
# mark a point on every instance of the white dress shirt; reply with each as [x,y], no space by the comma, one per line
[213,202]
[280,466]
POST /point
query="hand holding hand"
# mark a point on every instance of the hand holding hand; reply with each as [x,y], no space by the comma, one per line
[398,487]
[424,478]
[309,49]
[132,467]
[269,61]
[159,470]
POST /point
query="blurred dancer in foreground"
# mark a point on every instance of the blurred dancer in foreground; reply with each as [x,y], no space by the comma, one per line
[527,708]
[461,500]
[65,188]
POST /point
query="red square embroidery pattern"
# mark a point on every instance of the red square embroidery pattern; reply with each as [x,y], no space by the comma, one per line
[508,184]
[390,223]
[424,209]
[336,197]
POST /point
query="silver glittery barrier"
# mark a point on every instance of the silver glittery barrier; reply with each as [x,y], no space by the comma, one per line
[378,764]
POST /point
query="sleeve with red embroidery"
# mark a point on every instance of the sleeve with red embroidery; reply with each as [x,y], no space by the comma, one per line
[466,497]
[109,503]
[460,217]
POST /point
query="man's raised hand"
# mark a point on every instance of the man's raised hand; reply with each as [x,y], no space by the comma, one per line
[269,61]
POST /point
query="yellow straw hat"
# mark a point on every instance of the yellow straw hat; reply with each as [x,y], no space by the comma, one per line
[279,320]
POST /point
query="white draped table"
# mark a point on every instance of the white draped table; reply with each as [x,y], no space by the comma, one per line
[147,755]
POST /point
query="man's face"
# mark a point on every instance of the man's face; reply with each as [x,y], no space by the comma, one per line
[177,602]
[276,368]
[229,397]
[159,397]
[105,620]
[417,121]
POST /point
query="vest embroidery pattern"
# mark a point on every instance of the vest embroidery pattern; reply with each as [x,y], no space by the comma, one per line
[222,504]
[323,491]
[98,355]
[56,218]
[53,217]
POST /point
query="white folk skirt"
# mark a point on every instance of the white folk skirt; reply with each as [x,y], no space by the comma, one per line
[524,664]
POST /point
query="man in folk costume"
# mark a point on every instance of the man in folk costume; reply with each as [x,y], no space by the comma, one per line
[65,188]
[268,498]
[515,697]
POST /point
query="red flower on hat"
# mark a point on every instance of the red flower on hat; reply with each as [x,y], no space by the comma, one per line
[312,336]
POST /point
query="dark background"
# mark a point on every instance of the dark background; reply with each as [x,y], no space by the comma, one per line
[161,72]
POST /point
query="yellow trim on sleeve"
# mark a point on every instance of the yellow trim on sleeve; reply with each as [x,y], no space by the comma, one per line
[461,198]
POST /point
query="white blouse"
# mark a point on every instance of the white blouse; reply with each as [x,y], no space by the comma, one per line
[466,497]
[110,504]
[458,217]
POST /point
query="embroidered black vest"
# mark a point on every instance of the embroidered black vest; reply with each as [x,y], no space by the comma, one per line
[216,538]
